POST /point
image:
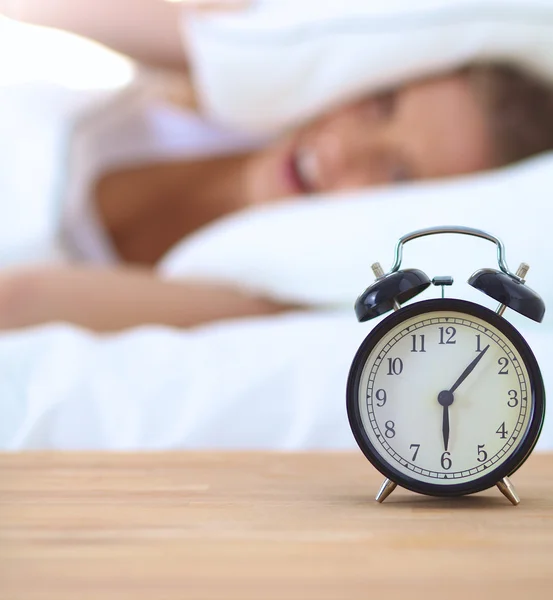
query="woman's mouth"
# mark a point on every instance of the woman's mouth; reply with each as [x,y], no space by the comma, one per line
[303,171]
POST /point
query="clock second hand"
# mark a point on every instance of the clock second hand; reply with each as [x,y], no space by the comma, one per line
[446,397]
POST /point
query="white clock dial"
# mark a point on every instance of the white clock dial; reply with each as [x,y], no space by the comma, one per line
[484,409]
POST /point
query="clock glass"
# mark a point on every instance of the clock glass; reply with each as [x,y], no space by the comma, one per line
[444,397]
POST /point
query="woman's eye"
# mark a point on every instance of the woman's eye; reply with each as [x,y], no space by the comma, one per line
[385,105]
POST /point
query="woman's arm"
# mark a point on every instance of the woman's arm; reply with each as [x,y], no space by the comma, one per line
[146,30]
[111,300]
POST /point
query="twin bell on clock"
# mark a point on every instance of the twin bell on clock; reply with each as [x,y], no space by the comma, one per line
[444,396]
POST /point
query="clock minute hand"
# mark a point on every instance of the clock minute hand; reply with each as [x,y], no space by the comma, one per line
[445,426]
[469,370]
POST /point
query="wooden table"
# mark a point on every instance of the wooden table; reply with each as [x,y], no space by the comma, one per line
[254,526]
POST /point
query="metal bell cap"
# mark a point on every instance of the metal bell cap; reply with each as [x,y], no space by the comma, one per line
[514,294]
[379,298]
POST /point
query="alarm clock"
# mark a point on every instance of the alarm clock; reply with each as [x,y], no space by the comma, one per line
[444,396]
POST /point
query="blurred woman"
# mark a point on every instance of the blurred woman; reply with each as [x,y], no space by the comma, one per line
[479,118]
[474,119]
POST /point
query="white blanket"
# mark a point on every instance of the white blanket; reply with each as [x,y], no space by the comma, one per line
[275,383]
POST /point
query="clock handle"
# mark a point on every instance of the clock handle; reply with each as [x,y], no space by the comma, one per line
[454,229]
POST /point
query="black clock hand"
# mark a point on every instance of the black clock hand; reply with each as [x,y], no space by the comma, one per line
[468,370]
[445,426]
[446,397]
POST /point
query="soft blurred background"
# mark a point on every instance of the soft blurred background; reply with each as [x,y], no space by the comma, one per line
[229,135]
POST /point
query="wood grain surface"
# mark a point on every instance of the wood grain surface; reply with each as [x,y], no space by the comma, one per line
[253,526]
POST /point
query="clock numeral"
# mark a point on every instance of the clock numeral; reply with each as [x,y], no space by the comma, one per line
[446,461]
[503,362]
[503,433]
[415,345]
[381,397]
[390,431]
[482,454]
[395,366]
[448,331]
[513,398]
[478,343]
[417,446]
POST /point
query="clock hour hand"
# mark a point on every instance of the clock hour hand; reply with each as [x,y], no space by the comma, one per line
[468,370]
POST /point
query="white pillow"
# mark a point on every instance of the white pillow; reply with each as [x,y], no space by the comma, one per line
[283,61]
[320,250]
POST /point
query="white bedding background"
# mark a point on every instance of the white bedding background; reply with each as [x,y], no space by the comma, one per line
[274,383]
[42,94]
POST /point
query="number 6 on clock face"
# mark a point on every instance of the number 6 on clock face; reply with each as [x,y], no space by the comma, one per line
[445,397]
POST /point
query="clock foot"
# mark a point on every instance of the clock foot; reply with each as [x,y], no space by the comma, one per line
[387,488]
[508,490]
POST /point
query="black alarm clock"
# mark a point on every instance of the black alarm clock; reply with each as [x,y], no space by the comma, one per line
[444,396]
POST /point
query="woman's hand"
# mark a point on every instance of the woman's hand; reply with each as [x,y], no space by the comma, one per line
[111,300]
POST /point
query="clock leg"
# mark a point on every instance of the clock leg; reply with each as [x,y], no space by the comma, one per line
[508,490]
[387,488]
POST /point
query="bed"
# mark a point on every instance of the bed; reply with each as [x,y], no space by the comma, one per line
[266,383]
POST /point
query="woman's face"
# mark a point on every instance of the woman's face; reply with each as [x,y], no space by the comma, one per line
[424,130]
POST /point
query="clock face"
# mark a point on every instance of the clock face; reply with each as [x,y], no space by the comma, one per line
[445,397]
